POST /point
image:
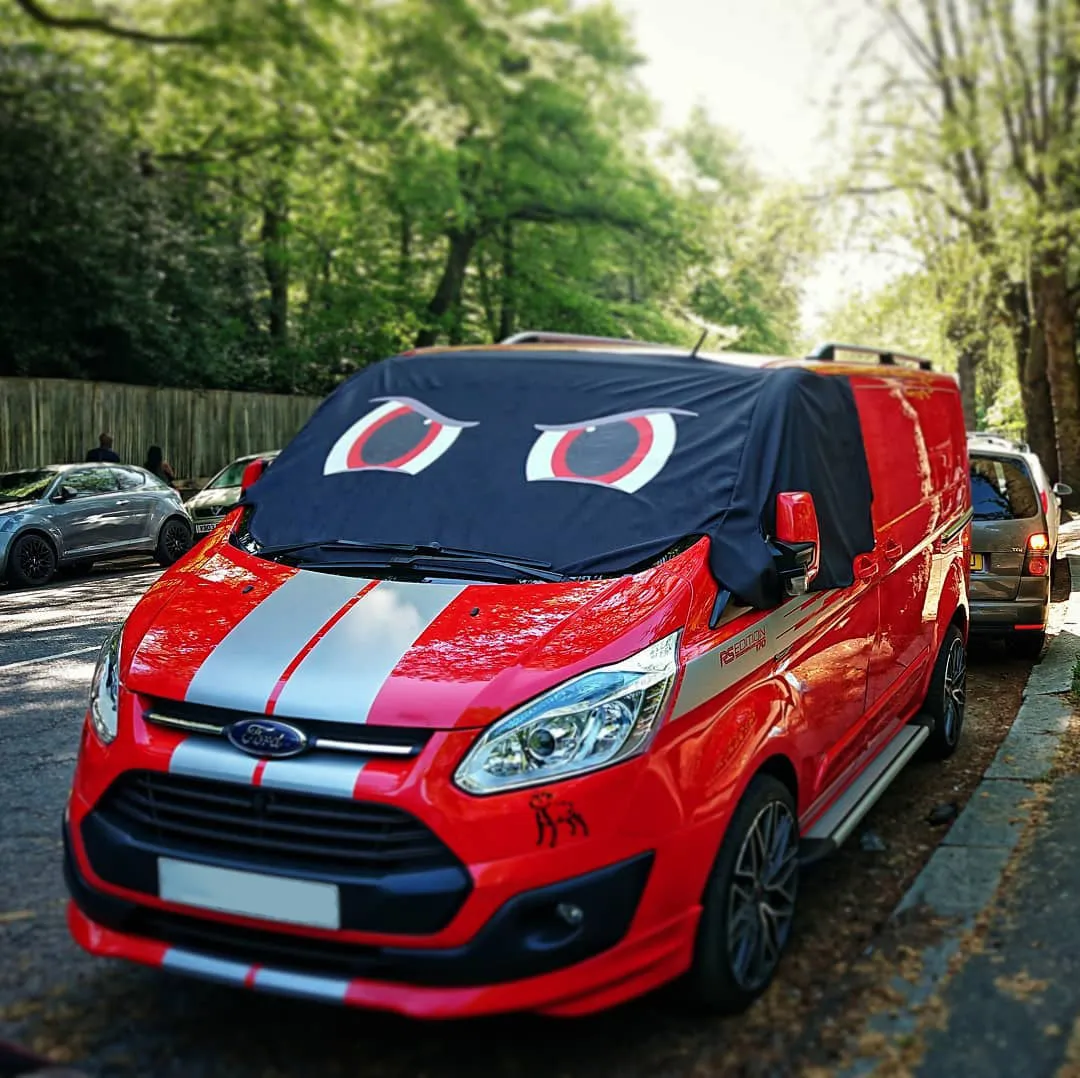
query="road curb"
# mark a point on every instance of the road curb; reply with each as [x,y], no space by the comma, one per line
[964,872]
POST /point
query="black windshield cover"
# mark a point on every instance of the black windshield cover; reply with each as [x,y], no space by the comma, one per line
[594,463]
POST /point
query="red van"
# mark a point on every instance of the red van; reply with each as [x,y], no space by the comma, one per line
[527,676]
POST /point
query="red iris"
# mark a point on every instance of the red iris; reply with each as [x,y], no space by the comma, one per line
[632,451]
[397,438]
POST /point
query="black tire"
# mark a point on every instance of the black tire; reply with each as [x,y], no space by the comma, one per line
[947,698]
[31,561]
[733,960]
[1026,645]
[174,541]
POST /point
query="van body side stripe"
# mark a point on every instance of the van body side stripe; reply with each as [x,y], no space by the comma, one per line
[715,670]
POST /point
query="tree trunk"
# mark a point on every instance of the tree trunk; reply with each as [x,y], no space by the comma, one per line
[487,300]
[507,314]
[276,263]
[1029,344]
[448,294]
[1058,321]
[966,365]
[404,268]
[1038,407]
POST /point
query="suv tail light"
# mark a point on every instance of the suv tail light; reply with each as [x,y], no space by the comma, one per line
[1045,499]
[1038,556]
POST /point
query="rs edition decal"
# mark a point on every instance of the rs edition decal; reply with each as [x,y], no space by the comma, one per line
[710,673]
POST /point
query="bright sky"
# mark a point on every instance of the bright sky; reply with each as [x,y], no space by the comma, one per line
[764,69]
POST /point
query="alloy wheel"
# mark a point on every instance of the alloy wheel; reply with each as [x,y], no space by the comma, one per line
[35,558]
[955,690]
[176,540]
[761,904]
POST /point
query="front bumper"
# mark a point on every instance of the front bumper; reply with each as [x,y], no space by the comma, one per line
[526,957]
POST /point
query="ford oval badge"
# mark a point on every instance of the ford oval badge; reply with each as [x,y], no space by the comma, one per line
[266,737]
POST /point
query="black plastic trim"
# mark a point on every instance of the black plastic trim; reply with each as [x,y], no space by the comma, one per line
[414,901]
[526,937]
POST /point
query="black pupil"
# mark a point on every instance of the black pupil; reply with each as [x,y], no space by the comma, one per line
[394,439]
[602,449]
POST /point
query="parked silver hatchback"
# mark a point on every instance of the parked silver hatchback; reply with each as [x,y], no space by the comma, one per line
[1014,536]
[67,516]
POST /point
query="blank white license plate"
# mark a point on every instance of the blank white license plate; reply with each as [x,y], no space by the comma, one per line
[204,529]
[249,894]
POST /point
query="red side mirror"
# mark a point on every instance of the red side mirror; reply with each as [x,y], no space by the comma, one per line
[797,532]
[253,472]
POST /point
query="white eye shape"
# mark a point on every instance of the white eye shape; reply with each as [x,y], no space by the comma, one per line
[401,435]
[623,451]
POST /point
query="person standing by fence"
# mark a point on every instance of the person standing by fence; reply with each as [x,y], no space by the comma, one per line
[158,465]
[103,452]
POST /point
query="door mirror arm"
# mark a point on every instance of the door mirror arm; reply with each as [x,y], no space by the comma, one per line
[793,565]
[797,542]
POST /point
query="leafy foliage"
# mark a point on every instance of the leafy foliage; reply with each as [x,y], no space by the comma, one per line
[969,130]
[255,196]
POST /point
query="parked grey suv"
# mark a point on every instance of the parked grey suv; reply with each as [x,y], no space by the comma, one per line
[67,516]
[1014,536]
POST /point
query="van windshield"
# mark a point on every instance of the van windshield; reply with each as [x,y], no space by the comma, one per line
[580,464]
[1002,489]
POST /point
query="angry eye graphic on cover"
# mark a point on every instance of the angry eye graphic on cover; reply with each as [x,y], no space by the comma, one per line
[622,452]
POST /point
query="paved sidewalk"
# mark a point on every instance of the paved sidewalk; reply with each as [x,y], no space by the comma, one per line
[1013,1008]
[999,995]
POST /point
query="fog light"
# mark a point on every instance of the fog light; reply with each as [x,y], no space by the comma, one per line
[571,914]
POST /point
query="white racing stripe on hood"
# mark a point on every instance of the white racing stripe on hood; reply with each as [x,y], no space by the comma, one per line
[243,670]
[341,676]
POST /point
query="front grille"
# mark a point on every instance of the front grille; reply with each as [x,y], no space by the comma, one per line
[275,828]
[401,742]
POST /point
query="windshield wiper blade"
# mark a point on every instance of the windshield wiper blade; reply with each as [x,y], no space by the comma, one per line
[333,544]
[406,553]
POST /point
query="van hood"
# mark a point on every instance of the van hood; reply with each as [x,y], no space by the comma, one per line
[232,631]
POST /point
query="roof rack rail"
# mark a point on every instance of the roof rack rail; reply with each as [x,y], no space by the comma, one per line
[884,356]
[1003,439]
[545,337]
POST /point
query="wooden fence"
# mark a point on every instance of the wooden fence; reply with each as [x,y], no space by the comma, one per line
[52,421]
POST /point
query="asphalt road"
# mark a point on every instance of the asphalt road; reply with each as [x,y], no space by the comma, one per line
[119,1020]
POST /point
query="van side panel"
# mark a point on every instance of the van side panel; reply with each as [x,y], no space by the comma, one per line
[905,512]
[941,418]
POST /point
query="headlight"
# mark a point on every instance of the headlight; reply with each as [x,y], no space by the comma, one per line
[105,689]
[591,721]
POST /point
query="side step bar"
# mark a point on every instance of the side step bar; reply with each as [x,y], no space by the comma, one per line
[844,815]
